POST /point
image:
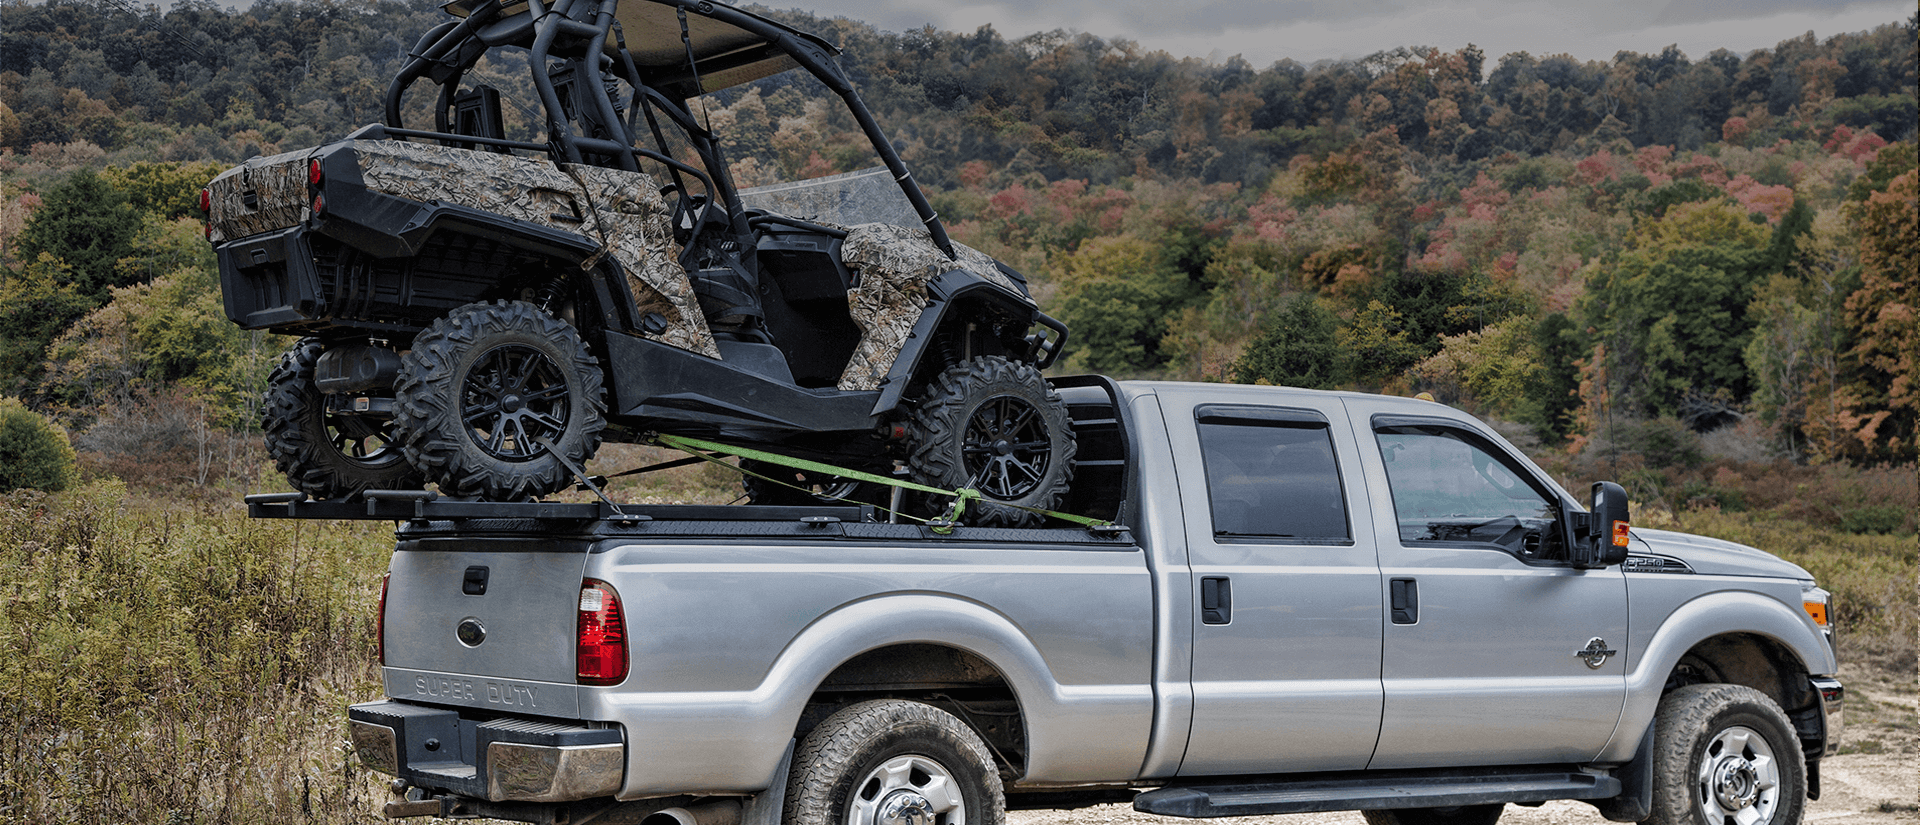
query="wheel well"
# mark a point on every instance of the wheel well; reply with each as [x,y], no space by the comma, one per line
[948,678]
[1746,659]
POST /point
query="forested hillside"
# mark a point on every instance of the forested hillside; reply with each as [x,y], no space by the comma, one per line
[1633,254]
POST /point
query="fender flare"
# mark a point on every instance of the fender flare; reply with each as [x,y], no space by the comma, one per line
[945,294]
[1704,617]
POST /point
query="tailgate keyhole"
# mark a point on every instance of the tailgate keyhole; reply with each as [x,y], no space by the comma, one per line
[475,581]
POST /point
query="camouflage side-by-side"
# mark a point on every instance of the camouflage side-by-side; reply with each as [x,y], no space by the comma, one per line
[894,265]
[623,210]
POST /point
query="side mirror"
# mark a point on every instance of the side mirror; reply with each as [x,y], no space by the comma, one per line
[1605,541]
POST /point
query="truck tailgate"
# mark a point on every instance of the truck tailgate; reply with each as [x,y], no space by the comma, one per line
[484,623]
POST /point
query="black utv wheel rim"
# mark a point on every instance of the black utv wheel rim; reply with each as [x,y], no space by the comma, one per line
[1007,447]
[362,440]
[514,398]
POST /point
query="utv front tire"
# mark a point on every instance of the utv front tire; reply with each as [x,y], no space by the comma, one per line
[327,455]
[486,390]
[1725,754]
[994,425]
[889,761]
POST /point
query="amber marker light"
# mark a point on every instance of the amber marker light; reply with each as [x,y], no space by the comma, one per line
[1620,533]
[1818,610]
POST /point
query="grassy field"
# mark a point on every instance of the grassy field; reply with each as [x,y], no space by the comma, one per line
[171,661]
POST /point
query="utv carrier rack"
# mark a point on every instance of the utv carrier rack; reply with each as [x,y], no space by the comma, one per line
[423,512]
[426,505]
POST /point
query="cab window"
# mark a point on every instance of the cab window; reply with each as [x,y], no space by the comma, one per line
[1448,489]
[1273,479]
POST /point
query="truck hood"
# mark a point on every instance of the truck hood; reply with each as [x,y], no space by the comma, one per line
[1711,556]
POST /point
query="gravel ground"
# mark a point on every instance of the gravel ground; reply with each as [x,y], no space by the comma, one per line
[1856,789]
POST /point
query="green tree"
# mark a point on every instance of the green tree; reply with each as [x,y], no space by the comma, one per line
[34,452]
[36,303]
[1117,295]
[1673,308]
[87,223]
[1298,347]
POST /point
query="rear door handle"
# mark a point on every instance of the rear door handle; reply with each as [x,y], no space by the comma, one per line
[1405,595]
[1216,600]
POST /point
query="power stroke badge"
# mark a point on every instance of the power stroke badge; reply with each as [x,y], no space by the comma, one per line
[1595,653]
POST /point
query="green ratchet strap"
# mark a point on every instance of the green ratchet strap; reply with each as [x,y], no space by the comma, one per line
[961,497]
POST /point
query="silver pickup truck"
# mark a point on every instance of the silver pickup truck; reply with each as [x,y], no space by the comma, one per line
[1307,601]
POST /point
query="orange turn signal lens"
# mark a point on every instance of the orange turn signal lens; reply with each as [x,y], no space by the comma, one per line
[1620,533]
[1818,610]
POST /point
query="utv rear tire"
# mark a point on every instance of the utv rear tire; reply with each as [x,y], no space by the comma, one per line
[818,489]
[996,426]
[1725,753]
[484,386]
[1455,815]
[327,455]
[919,759]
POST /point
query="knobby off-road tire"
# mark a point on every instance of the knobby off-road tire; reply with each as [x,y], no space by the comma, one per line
[994,425]
[1725,755]
[886,760]
[819,488]
[483,386]
[327,455]
[1456,815]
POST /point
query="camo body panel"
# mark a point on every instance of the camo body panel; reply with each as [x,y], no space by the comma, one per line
[894,265]
[279,184]
[621,210]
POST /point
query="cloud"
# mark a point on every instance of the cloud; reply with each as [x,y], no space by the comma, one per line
[1264,31]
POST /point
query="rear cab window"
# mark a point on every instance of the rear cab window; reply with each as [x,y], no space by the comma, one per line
[1272,474]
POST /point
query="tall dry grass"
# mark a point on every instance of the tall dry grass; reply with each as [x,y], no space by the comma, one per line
[174,662]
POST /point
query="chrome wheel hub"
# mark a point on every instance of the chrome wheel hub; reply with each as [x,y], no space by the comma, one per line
[907,790]
[1739,779]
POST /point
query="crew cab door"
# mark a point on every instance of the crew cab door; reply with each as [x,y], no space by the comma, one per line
[1286,631]
[1496,650]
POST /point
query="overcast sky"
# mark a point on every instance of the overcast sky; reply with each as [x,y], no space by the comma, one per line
[1264,31]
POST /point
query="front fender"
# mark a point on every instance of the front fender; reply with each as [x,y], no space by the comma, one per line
[1701,618]
[732,741]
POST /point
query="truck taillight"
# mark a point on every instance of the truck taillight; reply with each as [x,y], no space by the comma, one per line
[600,648]
[380,622]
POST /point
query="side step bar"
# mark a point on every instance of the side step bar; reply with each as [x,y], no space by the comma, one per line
[1353,792]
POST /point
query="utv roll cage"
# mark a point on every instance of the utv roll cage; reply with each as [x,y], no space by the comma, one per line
[683,49]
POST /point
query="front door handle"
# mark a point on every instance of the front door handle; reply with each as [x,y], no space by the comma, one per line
[1216,600]
[1405,596]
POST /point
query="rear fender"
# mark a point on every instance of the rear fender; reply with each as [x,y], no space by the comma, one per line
[1073,732]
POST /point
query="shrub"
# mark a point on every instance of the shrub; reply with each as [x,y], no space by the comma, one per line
[34,452]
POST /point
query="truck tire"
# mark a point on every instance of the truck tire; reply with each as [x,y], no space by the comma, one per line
[1456,815]
[996,426]
[1725,754]
[891,761]
[819,489]
[327,455]
[480,390]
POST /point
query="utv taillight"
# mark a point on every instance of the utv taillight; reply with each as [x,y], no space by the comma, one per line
[206,201]
[380,622]
[313,172]
[600,648]
[319,205]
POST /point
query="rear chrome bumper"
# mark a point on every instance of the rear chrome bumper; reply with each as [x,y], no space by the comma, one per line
[502,760]
[1831,696]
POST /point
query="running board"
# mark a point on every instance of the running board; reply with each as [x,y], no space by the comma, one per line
[1361,792]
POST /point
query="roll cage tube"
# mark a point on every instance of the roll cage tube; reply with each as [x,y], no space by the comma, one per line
[448,50]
